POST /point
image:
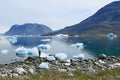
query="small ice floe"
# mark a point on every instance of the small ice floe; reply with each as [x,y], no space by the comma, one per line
[44,46]
[67,62]
[33,52]
[61,56]
[79,56]
[5,51]
[12,39]
[111,36]
[78,45]
[43,55]
[62,35]
[50,58]
[46,40]
[44,65]
[21,52]
[101,61]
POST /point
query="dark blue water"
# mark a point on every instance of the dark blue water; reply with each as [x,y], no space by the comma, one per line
[93,46]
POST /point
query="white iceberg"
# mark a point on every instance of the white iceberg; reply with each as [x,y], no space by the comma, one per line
[33,52]
[43,55]
[44,65]
[50,58]
[44,46]
[5,51]
[79,56]
[13,39]
[46,40]
[78,45]
[111,36]
[61,56]
[62,35]
[21,52]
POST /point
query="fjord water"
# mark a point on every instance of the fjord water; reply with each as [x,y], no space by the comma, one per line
[93,46]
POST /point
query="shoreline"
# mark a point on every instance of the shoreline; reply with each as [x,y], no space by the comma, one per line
[30,66]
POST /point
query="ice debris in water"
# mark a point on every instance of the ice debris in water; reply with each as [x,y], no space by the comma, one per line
[62,35]
[44,46]
[78,56]
[48,40]
[43,55]
[111,36]
[50,58]
[44,65]
[78,45]
[33,52]
[13,39]
[21,52]
[61,56]
[5,51]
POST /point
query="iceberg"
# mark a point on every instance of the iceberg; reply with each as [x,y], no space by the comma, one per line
[50,58]
[43,55]
[61,56]
[46,40]
[21,52]
[33,52]
[78,45]
[62,35]
[79,56]
[44,46]
[5,51]
[44,65]
[111,36]
[13,39]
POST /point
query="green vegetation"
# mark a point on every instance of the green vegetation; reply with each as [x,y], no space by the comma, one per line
[113,74]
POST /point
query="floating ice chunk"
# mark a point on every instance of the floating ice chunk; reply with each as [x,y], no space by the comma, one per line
[62,35]
[44,65]
[50,58]
[13,39]
[111,36]
[33,52]
[68,60]
[61,56]
[4,51]
[21,52]
[78,56]
[78,45]
[43,55]
[48,40]
[44,46]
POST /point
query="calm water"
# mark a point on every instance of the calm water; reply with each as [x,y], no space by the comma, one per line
[93,46]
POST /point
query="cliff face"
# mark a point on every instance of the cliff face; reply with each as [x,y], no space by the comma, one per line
[28,29]
[104,21]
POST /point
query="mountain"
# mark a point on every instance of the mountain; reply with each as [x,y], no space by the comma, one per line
[28,29]
[104,21]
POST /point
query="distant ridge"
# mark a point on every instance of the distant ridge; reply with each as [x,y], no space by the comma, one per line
[104,21]
[28,29]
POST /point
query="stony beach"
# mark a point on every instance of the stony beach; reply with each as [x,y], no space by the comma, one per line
[31,66]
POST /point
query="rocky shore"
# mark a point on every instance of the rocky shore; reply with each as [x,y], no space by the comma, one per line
[31,66]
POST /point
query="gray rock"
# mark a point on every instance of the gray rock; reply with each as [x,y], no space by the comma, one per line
[15,75]
[102,56]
